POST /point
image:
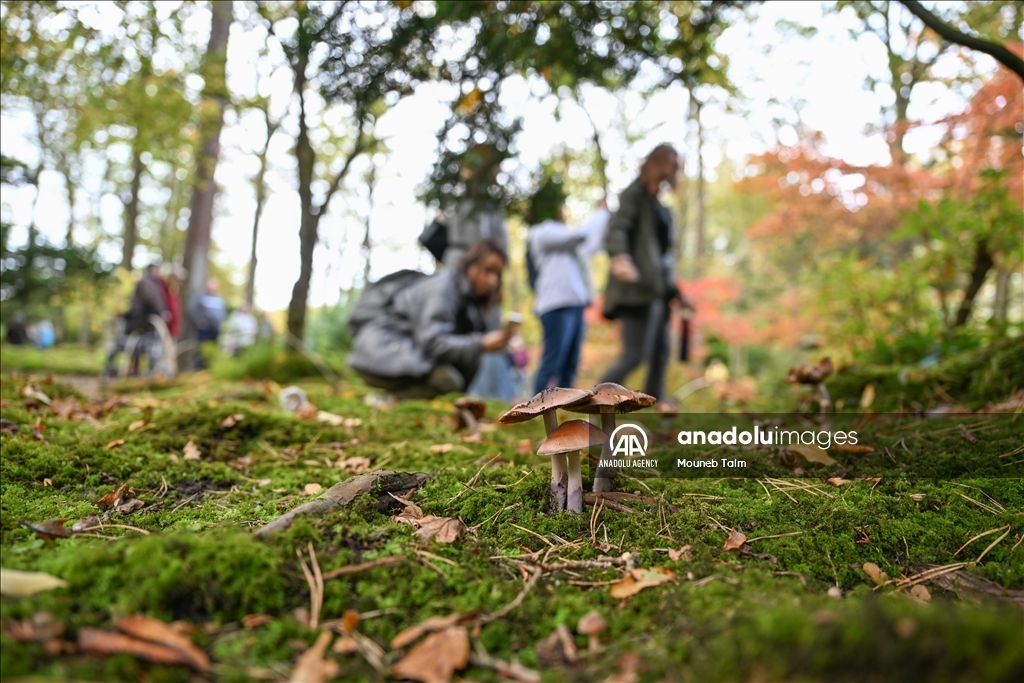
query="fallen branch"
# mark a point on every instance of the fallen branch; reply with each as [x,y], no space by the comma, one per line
[344,493]
[591,498]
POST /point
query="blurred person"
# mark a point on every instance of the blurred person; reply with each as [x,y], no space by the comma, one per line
[17,332]
[563,282]
[209,312]
[266,328]
[429,337]
[147,300]
[240,330]
[641,286]
[172,282]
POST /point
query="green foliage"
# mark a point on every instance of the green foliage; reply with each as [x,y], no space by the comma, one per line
[268,361]
[41,274]
[328,330]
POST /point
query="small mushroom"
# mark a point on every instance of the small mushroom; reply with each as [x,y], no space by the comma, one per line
[592,626]
[608,399]
[570,439]
[547,403]
[467,412]
[815,377]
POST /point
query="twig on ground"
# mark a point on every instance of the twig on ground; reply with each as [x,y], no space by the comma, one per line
[527,587]
[803,579]
[762,538]
[993,544]
[424,553]
[981,535]
[494,517]
[353,568]
[532,533]
[989,508]
[511,670]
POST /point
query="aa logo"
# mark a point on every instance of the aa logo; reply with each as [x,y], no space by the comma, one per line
[629,441]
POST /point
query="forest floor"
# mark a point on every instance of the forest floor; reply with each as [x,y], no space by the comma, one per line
[773,575]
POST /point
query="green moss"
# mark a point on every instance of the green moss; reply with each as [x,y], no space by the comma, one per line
[201,564]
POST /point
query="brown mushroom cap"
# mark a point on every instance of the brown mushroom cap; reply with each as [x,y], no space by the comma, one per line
[572,435]
[554,397]
[473,405]
[591,623]
[612,397]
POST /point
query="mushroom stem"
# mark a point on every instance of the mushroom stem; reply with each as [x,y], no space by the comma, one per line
[559,481]
[603,475]
[824,399]
[559,466]
[469,419]
[574,501]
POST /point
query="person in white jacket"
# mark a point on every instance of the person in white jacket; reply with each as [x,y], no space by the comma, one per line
[563,286]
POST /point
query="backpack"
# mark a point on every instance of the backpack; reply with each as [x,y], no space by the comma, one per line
[377,297]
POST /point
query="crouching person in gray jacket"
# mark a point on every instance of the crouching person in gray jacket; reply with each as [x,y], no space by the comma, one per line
[428,339]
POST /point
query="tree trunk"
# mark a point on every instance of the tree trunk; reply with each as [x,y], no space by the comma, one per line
[371,179]
[260,185]
[982,264]
[1002,301]
[131,208]
[309,221]
[200,222]
[698,260]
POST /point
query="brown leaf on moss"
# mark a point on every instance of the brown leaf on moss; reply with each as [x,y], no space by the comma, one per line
[251,621]
[441,529]
[735,541]
[95,641]
[147,628]
[85,523]
[413,633]
[435,659]
[191,450]
[683,554]
[307,411]
[116,497]
[639,579]
[114,444]
[874,572]
[811,453]
[42,627]
[852,448]
[49,530]
[129,506]
[231,420]
[312,667]
[838,481]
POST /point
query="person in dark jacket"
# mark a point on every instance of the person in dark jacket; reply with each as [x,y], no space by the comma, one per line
[148,299]
[429,339]
[641,287]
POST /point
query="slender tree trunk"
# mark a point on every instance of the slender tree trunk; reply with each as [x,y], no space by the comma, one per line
[371,179]
[131,209]
[308,221]
[1002,302]
[982,264]
[200,222]
[260,185]
[698,261]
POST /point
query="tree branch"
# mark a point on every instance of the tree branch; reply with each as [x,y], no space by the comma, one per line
[356,151]
[999,52]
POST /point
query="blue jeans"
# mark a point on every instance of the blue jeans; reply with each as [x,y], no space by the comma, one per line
[495,378]
[563,337]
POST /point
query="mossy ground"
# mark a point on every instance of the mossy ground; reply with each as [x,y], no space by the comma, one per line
[726,618]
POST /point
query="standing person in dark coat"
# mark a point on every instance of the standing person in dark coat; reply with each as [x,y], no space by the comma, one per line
[641,286]
[17,332]
[429,339]
[148,299]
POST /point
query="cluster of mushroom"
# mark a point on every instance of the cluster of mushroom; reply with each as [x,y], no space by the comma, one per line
[565,443]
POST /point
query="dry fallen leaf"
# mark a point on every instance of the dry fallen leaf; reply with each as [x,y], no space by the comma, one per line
[350,620]
[192,451]
[95,641]
[920,593]
[442,448]
[874,572]
[129,506]
[312,489]
[42,627]
[18,584]
[852,448]
[346,645]
[838,481]
[525,447]
[49,530]
[683,554]
[307,411]
[136,426]
[811,453]
[147,628]
[638,579]
[250,621]
[867,397]
[114,444]
[441,529]
[330,418]
[436,658]
[85,523]
[354,465]
[413,633]
[311,666]
[31,392]
[231,420]
[735,541]
[116,497]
